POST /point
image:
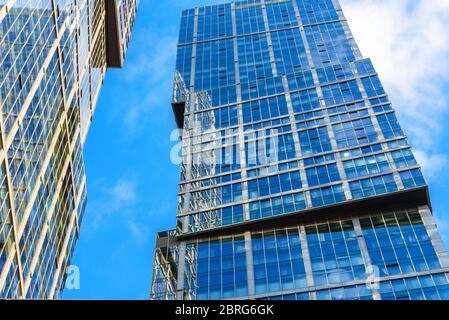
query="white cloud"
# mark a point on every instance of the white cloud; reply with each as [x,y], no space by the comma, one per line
[431,163]
[442,222]
[155,53]
[149,69]
[121,194]
[119,203]
[408,43]
[113,199]
[140,233]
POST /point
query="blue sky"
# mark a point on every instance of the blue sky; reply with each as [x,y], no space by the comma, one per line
[132,184]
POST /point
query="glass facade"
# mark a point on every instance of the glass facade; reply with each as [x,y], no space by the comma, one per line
[53,59]
[297,181]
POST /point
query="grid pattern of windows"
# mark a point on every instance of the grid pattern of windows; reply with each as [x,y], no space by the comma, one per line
[262,88]
[292,296]
[53,62]
[277,205]
[328,44]
[364,67]
[222,118]
[389,125]
[214,65]
[220,267]
[278,261]
[212,197]
[399,243]
[373,87]
[335,73]
[334,253]
[379,100]
[361,151]
[215,218]
[223,95]
[187,24]
[431,287]
[307,119]
[305,100]
[264,109]
[316,11]
[214,22]
[373,186]
[397,144]
[266,170]
[303,121]
[319,159]
[278,123]
[403,158]
[286,147]
[270,150]
[281,14]
[322,175]
[184,62]
[249,20]
[300,80]
[412,178]
[254,58]
[289,51]
[327,196]
[268,135]
[310,123]
[350,115]
[360,292]
[227,158]
[353,133]
[314,141]
[346,107]
[265,186]
[365,166]
[382,108]
[341,93]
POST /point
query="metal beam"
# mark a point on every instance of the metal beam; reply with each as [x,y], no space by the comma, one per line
[405,198]
[114,50]
[4,10]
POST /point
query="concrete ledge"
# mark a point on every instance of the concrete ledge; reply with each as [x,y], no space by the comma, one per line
[114,51]
[353,208]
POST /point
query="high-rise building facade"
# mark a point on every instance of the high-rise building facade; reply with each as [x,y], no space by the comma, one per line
[53,58]
[297,182]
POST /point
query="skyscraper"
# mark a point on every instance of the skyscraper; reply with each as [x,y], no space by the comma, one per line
[53,59]
[297,182]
